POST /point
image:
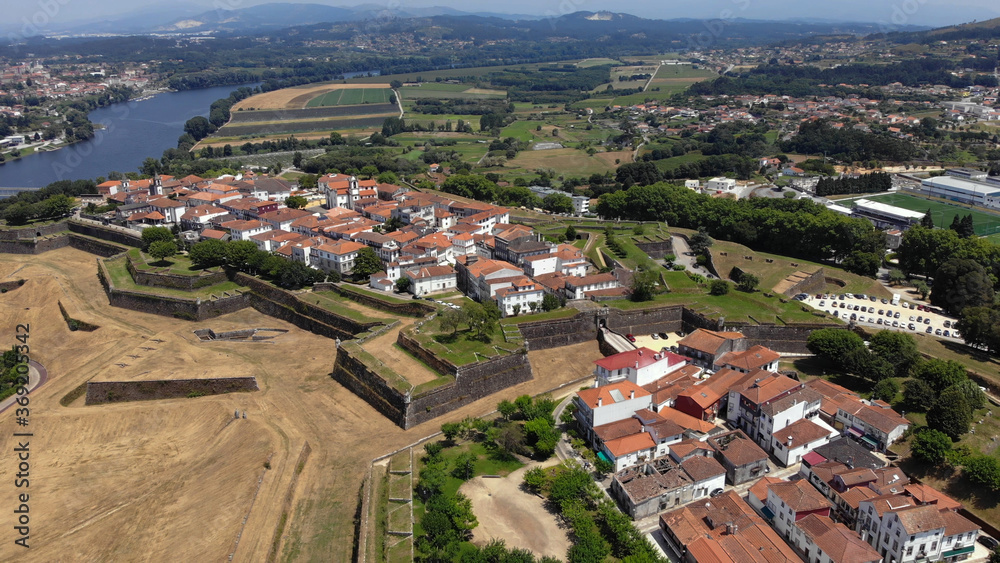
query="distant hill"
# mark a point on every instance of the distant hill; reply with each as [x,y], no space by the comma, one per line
[987,29]
[260,17]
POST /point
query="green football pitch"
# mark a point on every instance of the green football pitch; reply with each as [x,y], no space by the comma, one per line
[351,97]
[943,213]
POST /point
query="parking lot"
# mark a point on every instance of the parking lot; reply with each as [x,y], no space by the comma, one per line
[881,313]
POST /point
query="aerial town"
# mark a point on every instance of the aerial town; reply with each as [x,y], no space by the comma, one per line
[420,285]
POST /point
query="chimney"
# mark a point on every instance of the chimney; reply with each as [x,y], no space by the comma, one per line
[789,443]
[631,394]
[600,401]
[637,364]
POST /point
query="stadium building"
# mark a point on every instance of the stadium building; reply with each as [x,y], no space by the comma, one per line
[971,189]
[885,216]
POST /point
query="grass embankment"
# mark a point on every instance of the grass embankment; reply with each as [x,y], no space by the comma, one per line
[121,279]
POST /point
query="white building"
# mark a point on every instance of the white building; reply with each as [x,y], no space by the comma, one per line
[799,438]
[610,403]
[431,279]
[984,193]
[902,531]
[522,296]
[642,366]
[243,230]
[824,541]
[720,184]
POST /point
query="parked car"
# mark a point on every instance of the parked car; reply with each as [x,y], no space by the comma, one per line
[895,324]
[716,492]
[630,337]
[911,326]
[930,330]
[881,311]
[895,315]
[937,332]
[822,303]
[988,541]
[947,324]
[947,333]
[927,321]
[884,300]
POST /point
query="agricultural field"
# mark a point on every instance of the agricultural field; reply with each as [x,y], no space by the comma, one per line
[986,223]
[446,90]
[314,113]
[587,63]
[351,97]
[297,97]
[372,122]
[563,161]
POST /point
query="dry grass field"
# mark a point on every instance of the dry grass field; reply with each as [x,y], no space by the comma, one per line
[296,97]
[173,480]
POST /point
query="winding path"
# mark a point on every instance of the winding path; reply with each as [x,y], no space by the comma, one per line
[37,376]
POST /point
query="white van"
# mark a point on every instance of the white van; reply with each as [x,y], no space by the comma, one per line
[895,299]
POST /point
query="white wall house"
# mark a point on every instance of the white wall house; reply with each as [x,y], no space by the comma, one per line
[243,230]
[642,366]
[431,279]
[610,403]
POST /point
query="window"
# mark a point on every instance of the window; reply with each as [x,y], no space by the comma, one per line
[934,546]
[895,545]
[909,550]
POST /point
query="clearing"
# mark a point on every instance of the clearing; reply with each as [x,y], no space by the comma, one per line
[516,516]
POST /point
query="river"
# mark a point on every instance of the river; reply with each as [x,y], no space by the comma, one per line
[132,131]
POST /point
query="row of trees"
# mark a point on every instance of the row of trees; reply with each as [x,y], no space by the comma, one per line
[798,228]
[55,206]
[863,184]
[10,375]
[246,257]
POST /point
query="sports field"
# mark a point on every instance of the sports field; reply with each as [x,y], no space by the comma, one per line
[986,223]
[350,97]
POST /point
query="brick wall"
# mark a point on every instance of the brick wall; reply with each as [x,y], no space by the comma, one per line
[95,246]
[302,307]
[645,321]
[101,392]
[362,380]
[439,365]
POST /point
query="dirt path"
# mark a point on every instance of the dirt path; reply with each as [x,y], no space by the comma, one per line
[518,517]
[591,241]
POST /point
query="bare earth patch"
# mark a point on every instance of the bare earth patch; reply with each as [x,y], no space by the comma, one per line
[518,517]
[296,97]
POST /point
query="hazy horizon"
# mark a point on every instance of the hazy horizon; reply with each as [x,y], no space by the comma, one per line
[54,14]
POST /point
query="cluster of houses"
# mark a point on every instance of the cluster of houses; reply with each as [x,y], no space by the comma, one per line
[61,83]
[680,426]
[440,244]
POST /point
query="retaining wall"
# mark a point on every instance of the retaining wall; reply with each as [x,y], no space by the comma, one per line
[542,335]
[416,308]
[29,246]
[119,235]
[644,321]
[473,382]
[29,233]
[439,365]
[120,391]
[302,307]
[173,281]
[658,249]
[95,246]
[361,380]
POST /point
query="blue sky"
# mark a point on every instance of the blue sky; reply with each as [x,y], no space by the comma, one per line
[895,12]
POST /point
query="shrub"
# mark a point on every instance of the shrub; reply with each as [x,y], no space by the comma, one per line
[718,287]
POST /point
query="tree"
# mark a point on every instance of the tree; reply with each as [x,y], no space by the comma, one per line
[973,394]
[297,159]
[451,430]
[896,276]
[366,263]
[472,186]
[834,344]
[550,302]
[984,470]
[748,282]
[154,234]
[951,414]
[922,288]
[980,326]
[242,255]
[918,395]
[643,285]
[296,202]
[403,284]
[465,466]
[199,127]
[940,374]
[700,242]
[930,445]
[369,170]
[388,177]
[927,221]
[18,214]
[451,319]
[961,283]
[481,323]
[162,249]
[557,203]
[886,390]
[718,287]
[208,254]
[897,348]
[506,409]
[570,233]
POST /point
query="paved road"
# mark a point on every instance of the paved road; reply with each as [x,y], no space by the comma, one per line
[617,341]
[37,376]
[684,256]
